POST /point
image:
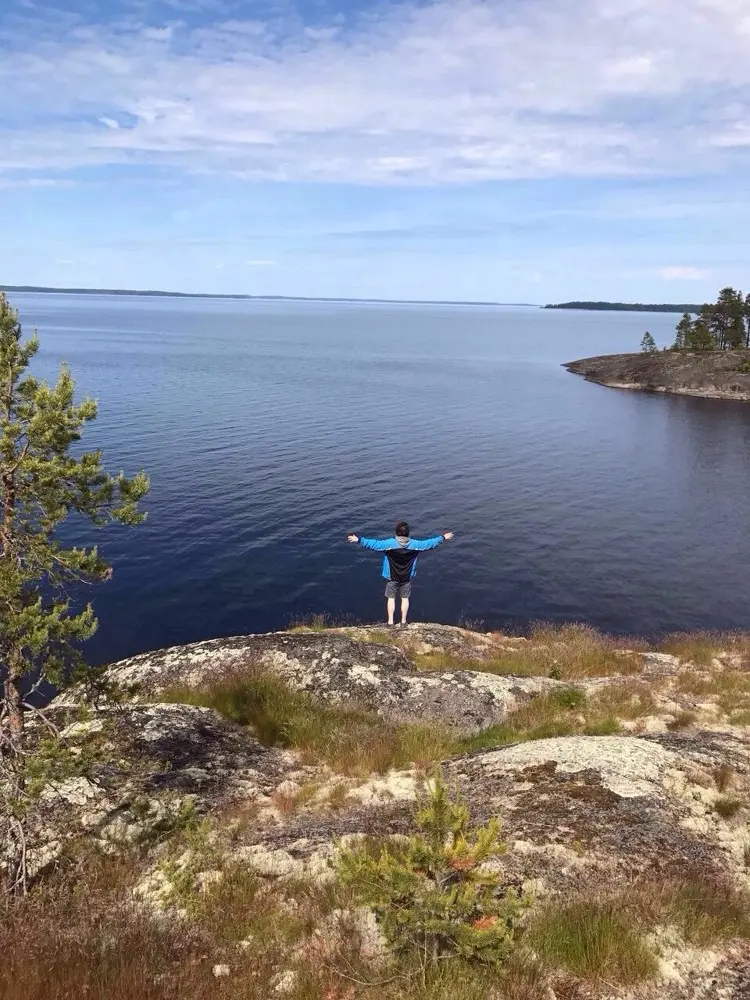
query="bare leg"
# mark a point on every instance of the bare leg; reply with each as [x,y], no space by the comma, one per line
[404,609]
[391,609]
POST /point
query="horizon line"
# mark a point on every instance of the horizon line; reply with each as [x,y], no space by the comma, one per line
[158,293]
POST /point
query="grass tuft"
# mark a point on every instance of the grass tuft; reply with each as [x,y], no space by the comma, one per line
[351,741]
[602,937]
[703,647]
[313,623]
[683,720]
[628,700]
[594,940]
[705,909]
[728,806]
[723,776]
[561,712]
[566,652]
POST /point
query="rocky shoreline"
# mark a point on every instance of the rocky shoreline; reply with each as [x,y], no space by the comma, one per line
[621,775]
[710,374]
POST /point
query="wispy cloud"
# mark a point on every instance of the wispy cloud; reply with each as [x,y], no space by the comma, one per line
[34,182]
[678,273]
[455,91]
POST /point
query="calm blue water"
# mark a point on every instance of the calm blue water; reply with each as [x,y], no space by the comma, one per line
[271,429]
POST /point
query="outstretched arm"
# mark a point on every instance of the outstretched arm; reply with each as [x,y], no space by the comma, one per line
[423,544]
[377,544]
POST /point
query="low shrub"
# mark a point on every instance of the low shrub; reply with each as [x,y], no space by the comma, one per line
[431,892]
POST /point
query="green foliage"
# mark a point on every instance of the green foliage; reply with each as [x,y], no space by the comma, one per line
[722,325]
[648,344]
[701,338]
[432,893]
[683,332]
[56,760]
[41,485]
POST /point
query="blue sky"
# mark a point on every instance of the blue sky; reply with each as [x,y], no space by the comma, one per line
[510,150]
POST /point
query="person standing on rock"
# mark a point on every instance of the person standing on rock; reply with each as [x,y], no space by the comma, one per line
[399,563]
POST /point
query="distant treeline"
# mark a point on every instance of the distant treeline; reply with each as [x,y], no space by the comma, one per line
[226,295]
[662,307]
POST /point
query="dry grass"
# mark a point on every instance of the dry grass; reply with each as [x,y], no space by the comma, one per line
[602,936]
[562,712]
[683,720]
[628,700]
[705,909]
[80,937]
[566,652]
[593,939]
[314,623]
[729,688]
[358,743]
[351,741]
[728,806]
[723,776]
[702,648]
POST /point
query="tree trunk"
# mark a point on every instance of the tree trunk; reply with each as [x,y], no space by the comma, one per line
[11,757]
[14,703]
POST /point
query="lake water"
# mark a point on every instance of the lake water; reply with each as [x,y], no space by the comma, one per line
[271,429]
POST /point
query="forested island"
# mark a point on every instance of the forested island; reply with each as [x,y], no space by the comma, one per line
[663,307]
[710,355]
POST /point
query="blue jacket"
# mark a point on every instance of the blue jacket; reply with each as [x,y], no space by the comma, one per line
[400,559]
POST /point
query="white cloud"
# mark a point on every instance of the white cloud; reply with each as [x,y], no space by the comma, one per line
[679,273]
[261,263]
[452,91]
[33,182]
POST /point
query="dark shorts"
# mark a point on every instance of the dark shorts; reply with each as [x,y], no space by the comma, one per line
[393,589]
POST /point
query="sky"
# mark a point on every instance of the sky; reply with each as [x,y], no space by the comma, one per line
[491,150]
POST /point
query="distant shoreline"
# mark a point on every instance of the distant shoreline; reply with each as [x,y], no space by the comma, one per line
[662,307]
[45,290]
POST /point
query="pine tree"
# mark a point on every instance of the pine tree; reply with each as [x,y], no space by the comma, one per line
[683,331]
[725,318]
[648,344]
[432,892]
[701,338]
[41,484]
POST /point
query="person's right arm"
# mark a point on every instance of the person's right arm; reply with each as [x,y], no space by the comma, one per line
[377,544]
